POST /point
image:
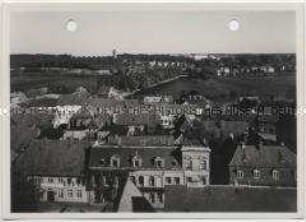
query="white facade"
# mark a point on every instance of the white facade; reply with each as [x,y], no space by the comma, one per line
[61,189]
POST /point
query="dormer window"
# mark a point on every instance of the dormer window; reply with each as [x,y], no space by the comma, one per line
[275,174]
[159,162]
[102,161]
[137,161]
[115,161]
[256,174]
[239,174]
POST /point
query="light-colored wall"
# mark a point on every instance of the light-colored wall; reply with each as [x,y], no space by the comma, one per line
[56,186]
[196,155]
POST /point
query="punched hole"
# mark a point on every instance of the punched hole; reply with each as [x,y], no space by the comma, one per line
[71,25]
[234,25]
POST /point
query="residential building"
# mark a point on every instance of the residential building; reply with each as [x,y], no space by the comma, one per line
[263,165]
[57,169]
[149,167]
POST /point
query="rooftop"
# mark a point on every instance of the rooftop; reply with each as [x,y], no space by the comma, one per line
[100,156]
[263,156]
[53,158]
[230,199]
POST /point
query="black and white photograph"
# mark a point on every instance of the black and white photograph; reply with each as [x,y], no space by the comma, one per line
[142,109]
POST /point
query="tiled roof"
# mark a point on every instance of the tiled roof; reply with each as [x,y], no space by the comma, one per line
[76,98]
[160,140]
[53,158]
[148,155]
[136,120]
[229,199]
[263,156]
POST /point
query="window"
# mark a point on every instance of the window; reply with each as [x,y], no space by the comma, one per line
[70,193]
[204,180]
[133,179]
[141,181]
[159,182]
[79,194]
[60,194]
[189,179]
[256,174]
[160,197]
[115,162]
[60,180]
[203,165]
[151,181]
[188,164]
[159,162]
[173,164]
[239,174]
[275,174]
[137,161]
[50,180]
[152,197]
[79,181]
[102,161]
[168,180]
[69,180]
[177,180]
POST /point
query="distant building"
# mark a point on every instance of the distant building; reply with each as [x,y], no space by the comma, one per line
[263,165]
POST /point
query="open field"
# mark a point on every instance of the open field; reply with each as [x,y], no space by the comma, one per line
[216,89]
[219,89]
[26,81]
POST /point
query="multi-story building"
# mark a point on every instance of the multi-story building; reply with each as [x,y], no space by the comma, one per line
[149,167]
[56,168]
[263,165]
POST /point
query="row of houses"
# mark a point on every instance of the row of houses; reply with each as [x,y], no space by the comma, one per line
[117,173]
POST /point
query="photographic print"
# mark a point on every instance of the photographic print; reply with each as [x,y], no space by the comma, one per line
[153,110]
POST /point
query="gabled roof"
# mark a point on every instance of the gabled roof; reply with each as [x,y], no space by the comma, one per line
[148,155]
[53,158]
[263,156]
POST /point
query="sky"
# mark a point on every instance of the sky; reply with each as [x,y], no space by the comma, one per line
[153,32]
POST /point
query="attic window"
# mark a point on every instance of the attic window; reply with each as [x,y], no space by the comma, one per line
[102,161]
[159,162]
[115,162]
[275,174]
[256,174]
[137,161]
[239,174]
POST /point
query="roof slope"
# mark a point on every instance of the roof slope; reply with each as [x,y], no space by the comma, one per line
[238,199]
[53,158]
[264,156]
[169,155]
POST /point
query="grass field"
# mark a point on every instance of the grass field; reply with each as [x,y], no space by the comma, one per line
[283,86]
[26,81]
[219,89]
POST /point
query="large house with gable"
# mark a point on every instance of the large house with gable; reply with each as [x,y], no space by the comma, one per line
[149,166]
